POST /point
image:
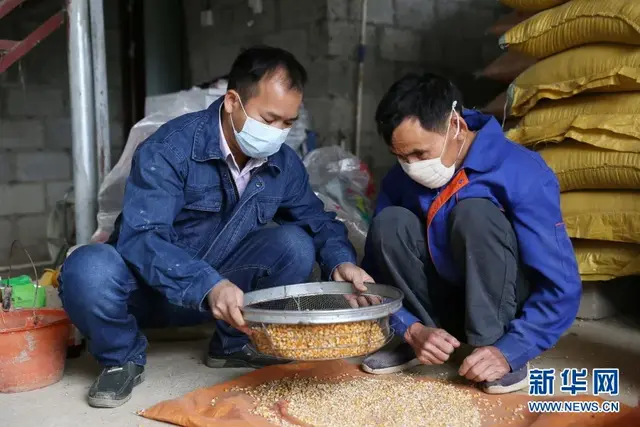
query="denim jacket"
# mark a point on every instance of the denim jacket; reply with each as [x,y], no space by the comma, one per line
[182,215]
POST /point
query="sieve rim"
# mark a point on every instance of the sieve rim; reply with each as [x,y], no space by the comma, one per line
[316,317]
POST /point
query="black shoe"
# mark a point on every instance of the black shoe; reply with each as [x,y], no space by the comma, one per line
[246,357]
[114,385]
[390,361]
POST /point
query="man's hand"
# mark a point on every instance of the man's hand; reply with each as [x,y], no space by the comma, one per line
[349,272]
[484,364]
[225,300]
[432,346]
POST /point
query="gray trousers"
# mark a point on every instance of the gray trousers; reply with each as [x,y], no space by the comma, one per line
[483,245]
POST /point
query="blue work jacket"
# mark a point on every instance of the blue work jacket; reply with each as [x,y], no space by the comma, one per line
[518,181]
[182,216]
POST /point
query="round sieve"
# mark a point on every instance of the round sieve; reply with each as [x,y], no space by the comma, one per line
[318,303]
[314,321]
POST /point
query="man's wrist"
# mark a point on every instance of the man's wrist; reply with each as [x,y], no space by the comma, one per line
[501,354]
[333,272]
[330,265]
[411,329]
[209,297]
[203,284]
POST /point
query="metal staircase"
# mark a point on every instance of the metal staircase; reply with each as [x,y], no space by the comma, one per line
[13,50]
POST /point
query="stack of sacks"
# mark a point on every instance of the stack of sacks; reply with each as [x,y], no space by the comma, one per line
[510,64]
[579,107]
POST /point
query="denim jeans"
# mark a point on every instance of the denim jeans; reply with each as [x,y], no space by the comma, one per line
[108,303]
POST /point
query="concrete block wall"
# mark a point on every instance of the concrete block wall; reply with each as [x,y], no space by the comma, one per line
[443,36]
[446,36]
[35,127]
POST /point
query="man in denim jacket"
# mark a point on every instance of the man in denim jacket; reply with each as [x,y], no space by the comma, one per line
[195,233]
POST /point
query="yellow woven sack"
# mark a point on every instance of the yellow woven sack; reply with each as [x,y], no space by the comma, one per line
[584,167]
[590,68]
[612,216]
[610,121]
[599,261]
[575,23]
[531,5]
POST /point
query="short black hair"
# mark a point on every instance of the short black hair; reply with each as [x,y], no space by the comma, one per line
[427,97]
[257,62]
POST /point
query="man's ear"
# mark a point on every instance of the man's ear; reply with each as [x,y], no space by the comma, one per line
[457,120]
[231,102]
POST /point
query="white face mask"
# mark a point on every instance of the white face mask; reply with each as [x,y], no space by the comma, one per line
[432,173]
[258,140]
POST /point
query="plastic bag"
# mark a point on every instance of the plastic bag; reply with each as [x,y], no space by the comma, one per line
[345,186]
[162,109]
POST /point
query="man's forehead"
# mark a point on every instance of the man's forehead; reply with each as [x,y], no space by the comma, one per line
[277,97]
[411,130]
[276,84]
[271,90]
[410,136]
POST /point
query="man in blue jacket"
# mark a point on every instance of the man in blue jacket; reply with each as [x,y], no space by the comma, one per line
[468,226]
[196,230]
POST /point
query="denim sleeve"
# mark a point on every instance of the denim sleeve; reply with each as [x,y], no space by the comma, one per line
[153,198]
[556,288]
[300,206]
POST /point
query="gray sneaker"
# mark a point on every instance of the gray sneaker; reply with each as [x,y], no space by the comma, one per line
[513,381]
[390,361]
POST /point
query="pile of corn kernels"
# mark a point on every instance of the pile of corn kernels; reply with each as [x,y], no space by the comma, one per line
[316,342]
[398,400]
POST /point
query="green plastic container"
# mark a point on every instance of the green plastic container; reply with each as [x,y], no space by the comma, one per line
[23,292]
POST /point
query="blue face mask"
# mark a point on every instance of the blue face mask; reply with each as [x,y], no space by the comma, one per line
[258,140]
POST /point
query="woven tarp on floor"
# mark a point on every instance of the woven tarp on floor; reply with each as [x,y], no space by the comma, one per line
[234,409]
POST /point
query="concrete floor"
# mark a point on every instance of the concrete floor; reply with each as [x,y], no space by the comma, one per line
[175,368]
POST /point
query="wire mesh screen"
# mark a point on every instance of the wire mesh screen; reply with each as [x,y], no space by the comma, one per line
[306,303]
